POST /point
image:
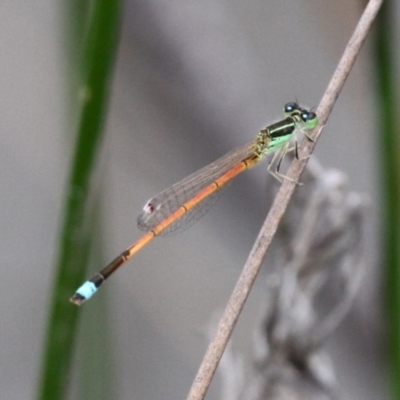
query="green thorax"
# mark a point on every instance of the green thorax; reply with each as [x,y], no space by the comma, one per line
[275,136]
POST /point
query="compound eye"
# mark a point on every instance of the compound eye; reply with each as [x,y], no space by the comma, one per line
[311,116]
[290,107]
[310,119]
[305,116]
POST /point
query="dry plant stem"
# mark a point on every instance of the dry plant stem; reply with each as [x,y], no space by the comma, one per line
[241,291]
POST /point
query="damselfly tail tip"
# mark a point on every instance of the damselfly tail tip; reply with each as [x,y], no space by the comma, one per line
[85,292]
[77,299]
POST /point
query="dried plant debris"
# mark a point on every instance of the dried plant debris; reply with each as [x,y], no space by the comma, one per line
[317,273]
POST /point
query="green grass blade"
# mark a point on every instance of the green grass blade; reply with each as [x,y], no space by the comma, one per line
[388,134]
[75,240]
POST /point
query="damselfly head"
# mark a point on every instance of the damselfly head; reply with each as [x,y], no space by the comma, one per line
[290,108]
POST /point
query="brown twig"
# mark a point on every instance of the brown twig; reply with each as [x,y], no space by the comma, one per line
[243,286]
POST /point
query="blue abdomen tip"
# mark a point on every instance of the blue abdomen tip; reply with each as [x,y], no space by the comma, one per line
[87,290]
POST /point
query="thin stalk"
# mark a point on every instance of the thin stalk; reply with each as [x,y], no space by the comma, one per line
[388,135]
[75,239]
[249,273]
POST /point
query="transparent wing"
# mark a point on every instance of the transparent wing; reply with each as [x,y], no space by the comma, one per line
[197,212]
[160,207]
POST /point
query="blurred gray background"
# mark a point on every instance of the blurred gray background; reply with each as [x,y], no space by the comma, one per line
[192,81]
